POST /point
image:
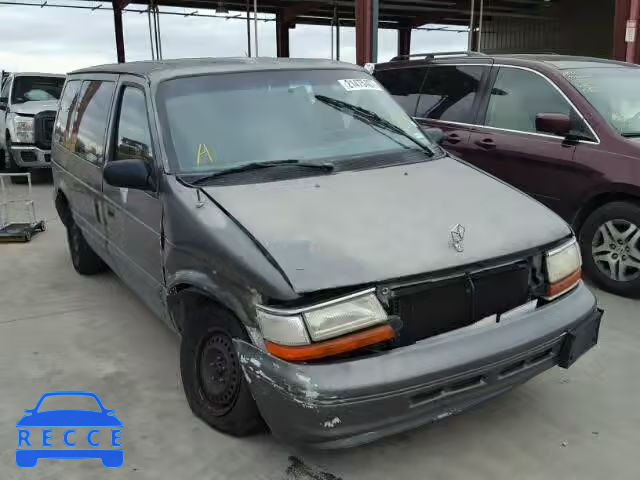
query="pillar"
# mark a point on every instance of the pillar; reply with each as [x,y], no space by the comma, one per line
[117,24]
[282,35]
[404,41]
[364,33]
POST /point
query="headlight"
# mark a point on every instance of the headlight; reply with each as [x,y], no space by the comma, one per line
[563,268]
[290,333]
[24,129]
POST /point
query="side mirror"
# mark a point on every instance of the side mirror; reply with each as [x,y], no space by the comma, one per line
[4,101]
[134,174]
[553,123]
[436,135]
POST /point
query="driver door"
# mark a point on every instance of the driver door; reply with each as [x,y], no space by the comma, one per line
[134,217]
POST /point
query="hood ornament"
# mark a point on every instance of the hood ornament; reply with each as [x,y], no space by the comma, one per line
[457,237]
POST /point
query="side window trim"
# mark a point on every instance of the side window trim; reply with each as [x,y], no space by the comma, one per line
[481,118]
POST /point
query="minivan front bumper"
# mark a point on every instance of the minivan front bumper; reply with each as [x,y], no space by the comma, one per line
[351,402]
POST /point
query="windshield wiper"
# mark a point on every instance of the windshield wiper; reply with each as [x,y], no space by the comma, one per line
[326,167]
[371,118]
[631,134]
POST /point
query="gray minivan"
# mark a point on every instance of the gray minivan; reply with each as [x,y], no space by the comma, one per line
[331,271]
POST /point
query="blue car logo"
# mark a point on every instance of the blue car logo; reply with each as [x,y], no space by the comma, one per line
[35,433]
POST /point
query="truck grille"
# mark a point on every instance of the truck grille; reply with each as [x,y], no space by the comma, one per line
[433,308]
[43,129]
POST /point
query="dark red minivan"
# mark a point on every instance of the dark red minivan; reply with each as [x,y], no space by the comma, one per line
[565,130]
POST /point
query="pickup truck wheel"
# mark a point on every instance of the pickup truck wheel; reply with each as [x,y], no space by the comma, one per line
[610,243]
[84,259]
[213,381]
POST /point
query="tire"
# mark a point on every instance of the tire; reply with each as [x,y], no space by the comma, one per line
[610,244]
[12,166]
[3,160]
[84,259]
[224,403]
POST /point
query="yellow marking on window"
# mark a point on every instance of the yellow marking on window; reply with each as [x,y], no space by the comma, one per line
[203,154]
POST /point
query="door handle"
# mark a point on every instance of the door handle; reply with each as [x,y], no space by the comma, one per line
[110,211]
[486,143]
[453,138]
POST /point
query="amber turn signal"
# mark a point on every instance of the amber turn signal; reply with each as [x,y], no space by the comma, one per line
[558,288]
[335,346]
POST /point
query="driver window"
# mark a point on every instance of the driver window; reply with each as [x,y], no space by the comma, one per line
[519,95]
[133,134]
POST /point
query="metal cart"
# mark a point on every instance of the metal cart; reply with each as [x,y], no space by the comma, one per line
[17,213]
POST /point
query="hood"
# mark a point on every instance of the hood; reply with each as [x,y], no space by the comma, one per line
[366,226]
[32,108]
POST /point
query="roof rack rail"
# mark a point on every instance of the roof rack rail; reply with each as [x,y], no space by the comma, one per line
[433,55]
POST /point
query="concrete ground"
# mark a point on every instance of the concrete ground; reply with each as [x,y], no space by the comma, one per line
[61,331]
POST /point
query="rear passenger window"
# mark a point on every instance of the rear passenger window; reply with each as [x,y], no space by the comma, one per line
[404,84]
[67,101]
[91,113]
[448,93]
[134,138]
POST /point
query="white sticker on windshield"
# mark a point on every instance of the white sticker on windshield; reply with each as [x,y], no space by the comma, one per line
[351,84]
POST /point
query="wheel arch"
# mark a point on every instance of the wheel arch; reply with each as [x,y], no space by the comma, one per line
[63,207]
[616,193]
[189,289]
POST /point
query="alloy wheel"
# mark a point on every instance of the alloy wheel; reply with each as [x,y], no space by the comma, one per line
[615,249]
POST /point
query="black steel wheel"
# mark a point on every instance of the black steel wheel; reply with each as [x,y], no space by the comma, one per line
[219,372]
[212,376]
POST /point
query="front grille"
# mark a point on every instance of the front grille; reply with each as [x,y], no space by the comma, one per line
[433,308]
[43,124]
[27,156]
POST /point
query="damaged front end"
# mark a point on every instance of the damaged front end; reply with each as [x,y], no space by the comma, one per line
[383,360]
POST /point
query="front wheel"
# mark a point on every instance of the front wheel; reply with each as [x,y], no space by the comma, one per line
[212,377]
[610,243]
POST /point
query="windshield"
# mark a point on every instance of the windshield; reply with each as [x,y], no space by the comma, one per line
[614,92]
[30,89]
[216,122]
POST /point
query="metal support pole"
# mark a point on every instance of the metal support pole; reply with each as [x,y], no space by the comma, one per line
[117,26]
[255,24]
[479,47]
[632,31]
[282,35]
[375,10]
[337,38]
[248,29]
[364,37]
[153,55]
[333,19]
[404,40]
[471,24]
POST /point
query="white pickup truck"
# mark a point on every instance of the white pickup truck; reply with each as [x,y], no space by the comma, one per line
[28,105]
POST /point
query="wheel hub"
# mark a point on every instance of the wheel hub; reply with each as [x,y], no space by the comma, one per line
[616,250]
[219,372]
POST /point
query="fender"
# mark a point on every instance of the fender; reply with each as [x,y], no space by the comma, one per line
[236,302]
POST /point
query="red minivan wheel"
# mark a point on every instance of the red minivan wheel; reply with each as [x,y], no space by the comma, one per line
[610,243]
